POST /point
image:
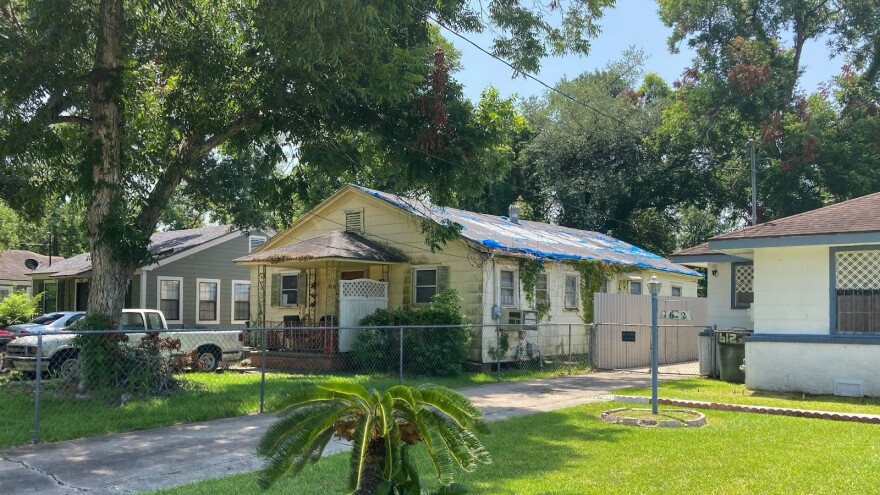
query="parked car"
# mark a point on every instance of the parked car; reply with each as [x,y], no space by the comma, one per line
[57,320]
[59,353]
[5,337]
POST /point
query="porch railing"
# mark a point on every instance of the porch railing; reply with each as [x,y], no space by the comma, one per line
[301,337]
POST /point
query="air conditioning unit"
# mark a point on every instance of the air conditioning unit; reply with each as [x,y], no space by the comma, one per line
[519,319]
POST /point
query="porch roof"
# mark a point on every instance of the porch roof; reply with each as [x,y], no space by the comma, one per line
[334,245]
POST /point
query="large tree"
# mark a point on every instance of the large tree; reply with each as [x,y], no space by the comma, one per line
[118,102]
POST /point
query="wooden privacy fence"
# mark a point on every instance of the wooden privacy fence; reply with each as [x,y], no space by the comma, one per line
[621,335]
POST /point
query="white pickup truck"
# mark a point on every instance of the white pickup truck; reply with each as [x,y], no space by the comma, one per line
[60,355]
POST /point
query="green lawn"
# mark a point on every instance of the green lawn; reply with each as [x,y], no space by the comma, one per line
[572,452]
[209,396]
[704,389]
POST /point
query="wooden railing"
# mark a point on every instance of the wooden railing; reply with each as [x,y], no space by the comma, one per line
[301,337]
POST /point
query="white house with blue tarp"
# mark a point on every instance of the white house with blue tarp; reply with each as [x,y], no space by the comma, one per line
[368,244]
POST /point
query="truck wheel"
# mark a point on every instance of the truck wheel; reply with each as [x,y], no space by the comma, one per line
[66,364]
[209,358]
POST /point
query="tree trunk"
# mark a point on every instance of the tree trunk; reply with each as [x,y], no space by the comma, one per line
[370,479]
[110,271]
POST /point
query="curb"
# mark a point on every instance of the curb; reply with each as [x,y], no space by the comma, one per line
[777,411]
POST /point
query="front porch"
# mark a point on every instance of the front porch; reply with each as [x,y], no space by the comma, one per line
[307,290]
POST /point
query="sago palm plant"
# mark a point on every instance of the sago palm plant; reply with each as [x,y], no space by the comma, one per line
[382,427]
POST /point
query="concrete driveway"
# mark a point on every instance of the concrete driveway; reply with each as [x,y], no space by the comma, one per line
[166,457]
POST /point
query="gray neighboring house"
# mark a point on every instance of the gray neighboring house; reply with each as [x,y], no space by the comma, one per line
[191,278]
[14,273]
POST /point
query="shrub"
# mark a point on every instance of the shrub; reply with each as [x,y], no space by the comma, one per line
[430,351]
[18,307]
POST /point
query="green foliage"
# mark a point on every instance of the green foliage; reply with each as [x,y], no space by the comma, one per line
[8,228]
[529,268]
[383,426]
[593,274]
[438,234]
[18,307]
[503,346]
[428,351]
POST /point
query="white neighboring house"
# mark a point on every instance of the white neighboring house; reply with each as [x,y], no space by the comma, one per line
[813,284]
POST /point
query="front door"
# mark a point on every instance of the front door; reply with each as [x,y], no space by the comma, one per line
[82,296]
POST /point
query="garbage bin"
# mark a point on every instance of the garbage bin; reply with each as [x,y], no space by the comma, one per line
[732,354]
[708,360]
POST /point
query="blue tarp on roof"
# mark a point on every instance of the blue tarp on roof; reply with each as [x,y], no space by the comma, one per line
[534,239]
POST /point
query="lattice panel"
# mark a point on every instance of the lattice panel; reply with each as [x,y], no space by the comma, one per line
[368,289]
[744,278]
[857,269]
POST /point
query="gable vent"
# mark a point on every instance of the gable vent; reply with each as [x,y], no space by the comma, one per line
[255,241]
[354,221]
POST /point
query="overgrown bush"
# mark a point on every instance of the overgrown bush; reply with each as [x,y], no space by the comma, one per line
[426,351]
[110,364]
[18,307]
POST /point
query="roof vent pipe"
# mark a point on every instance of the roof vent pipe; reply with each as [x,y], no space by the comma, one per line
[513,213]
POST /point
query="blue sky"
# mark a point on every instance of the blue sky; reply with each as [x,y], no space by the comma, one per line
[631,23]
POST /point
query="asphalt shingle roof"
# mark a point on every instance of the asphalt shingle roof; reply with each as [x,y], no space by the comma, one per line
[534,239]
[848,217]
[162,245]
[12,264]
[338,244]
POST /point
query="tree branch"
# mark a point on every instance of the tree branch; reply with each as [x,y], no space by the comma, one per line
[190,151]
[71,119]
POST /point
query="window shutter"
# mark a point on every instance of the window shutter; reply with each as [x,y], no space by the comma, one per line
[302,288]
[442,278]
[275,293]
[408,281]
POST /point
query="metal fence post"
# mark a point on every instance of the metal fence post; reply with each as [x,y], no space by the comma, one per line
[497,354]
[263,374]
[38,387]
[569,348]
[400,361]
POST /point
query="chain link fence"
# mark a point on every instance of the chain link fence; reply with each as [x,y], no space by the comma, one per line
[64,385]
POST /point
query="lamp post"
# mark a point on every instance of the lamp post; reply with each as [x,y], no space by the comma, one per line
[654,288]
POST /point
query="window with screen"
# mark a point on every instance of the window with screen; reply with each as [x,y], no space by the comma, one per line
[170,297]
[425,282]
[508,288]
[209,292]
[289,289]
[571,292]
[542,295]
[241,301]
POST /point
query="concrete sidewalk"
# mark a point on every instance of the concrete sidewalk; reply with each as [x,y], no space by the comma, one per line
[166,457]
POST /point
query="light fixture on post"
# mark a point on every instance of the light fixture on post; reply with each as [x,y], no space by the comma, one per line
[654,288]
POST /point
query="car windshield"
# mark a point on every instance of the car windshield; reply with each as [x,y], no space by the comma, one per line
[47,319]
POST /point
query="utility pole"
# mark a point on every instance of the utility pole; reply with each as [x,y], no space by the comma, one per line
[754,184]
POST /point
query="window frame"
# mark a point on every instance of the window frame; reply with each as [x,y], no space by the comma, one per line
[281,289]
[233,301]
[9,289]
[545,290]
[634,283]
[514,288]
[833,322]
[672,289]
[159,280]
[734,303]
[199,320]
[577,289]
[416,286]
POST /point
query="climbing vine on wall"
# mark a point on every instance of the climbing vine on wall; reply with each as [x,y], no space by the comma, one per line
[529,268]
[593,273]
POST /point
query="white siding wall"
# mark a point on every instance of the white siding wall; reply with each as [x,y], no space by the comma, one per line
[791,290]
[811,368]
[718,300]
